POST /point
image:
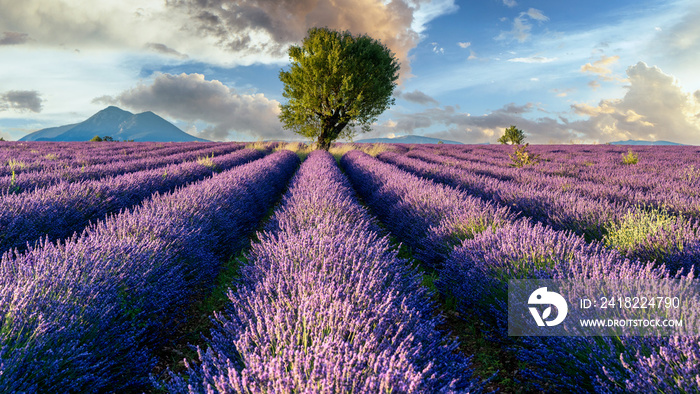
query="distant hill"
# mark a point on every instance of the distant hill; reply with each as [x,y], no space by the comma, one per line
[408,139]
[118,124]
[640,142]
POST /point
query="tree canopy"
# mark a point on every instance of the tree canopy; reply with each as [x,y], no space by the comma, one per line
[512,135]
[336,83]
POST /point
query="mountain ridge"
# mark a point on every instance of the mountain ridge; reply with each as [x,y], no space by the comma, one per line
[642,142]
[118,124]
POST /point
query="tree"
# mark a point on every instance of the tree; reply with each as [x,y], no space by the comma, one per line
[512,135]
[336,82]
[96,138]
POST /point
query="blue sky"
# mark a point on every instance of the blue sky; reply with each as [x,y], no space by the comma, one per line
[564,72]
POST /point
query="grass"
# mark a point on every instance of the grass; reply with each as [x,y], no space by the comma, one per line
[258,145]
[207,161]
[338,150]
[301,149]
[16,164]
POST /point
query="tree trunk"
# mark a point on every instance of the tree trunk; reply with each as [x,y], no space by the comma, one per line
[329,132]
[323,141]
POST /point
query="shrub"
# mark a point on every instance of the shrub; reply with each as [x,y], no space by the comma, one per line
[522,157]
[630,157]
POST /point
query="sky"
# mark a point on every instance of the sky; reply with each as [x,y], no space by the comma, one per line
[564,72]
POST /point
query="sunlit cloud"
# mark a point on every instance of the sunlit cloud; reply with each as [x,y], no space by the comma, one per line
[191,98]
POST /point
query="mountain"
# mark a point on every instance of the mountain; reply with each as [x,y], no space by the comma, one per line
[640,142]
[118,124]
[408,139]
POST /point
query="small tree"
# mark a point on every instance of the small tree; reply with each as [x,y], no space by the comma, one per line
[96,138]
[512,135]
[335,83]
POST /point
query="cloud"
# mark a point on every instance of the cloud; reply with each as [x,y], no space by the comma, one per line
[417,97]
[270,26]
[510,3]
[191,98]
[461,126]
[536,15]
[601,67]
[681,41]
[522,26]
[21,100]
[464,45]
[164,49]
[533,59]
[13,38]
[221,32]
[563,92]
[437,49]
[654,104]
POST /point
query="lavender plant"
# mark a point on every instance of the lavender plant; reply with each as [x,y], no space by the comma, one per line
[90,313]
[59,211]
[324,305]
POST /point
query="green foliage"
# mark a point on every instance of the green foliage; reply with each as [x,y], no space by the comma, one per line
[336,83]
[522,157]
[2,139]
[207,161]
[630,157]
[107,138]
[512,135]
[15,164]
[636,228]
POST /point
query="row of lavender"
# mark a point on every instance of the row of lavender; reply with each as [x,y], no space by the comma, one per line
[58,211]
[476,247]
[324,305]
[17,183]
[21,157]
[666,177]
[637,231]
[91,313]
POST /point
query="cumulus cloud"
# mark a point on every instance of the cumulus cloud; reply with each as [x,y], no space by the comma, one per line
[216,31]
[510,3]
[191,98]
[654,104]
[13,38]
[417,97]
[21,100]
[464,127]
[241,26]
[464,45]
[522,25]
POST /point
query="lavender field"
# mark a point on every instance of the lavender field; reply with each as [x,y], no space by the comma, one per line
[221,267]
